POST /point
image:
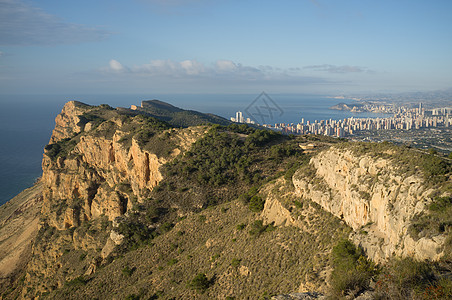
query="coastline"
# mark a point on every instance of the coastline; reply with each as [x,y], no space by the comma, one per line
[24,135]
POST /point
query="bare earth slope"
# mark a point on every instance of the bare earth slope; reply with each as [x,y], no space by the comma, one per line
[19,219]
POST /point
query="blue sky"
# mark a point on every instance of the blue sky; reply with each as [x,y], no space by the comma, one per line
[224,46]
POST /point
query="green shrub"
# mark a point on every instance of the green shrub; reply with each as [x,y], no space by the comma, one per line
[258,227]
[167,226]
[154,213]
[82,256]
[302,160]
[256,203]
[127,271]
[135,232]
[61,148]
[246,197]
[235,262]
[260,137]
[408,279]
[215,257]
[241,226]
[270,227]
[76,282]
[440,204]
[437,220]
[435,168]
[298,204]
[200,283]
[352,271]
[133,297]
[282,150]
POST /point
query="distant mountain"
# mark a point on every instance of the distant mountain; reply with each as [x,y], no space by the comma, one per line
[357,107]
[429,99]
[176,116]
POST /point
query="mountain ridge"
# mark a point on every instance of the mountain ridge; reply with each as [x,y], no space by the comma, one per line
[225,202]
[177,116]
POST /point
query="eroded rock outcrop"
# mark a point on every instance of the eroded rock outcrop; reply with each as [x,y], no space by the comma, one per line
[284,208]
[373,198]
[70,121]
[99,163]
[105,169]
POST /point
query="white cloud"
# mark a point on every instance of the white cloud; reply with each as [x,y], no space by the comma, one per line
[192,67]
[337,69]
[219,72]
[189,68]
[23,25]
[225,66]
[116,65]
[228,73]
[159,68]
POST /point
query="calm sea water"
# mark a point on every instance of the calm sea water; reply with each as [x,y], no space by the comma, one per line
[26,123]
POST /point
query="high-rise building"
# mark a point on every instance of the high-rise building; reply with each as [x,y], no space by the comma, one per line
[239,117]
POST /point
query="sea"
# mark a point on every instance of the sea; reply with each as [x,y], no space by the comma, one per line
[26,122]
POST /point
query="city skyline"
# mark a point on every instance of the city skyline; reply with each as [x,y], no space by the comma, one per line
[403,118]
[206,46]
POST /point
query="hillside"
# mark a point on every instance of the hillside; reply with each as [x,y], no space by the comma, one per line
[136,206]
[176,116]
[355,107]
[19,221]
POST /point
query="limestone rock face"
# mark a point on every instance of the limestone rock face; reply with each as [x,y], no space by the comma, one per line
[99,163]
[274,211]
[69,121]
[372,198]
[101,174]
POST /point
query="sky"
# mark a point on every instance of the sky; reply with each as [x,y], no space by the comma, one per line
[224,46]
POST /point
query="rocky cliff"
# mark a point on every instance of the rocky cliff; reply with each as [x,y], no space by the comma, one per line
[104,163]
[100,162]
[119,184]
[69,121]
[106,167]
[374,197]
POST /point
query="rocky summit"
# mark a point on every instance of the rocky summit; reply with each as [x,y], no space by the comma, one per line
[157,202]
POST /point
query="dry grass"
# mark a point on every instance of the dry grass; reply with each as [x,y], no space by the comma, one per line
[236,263]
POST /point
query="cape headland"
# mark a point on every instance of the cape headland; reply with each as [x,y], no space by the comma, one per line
[159,202]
